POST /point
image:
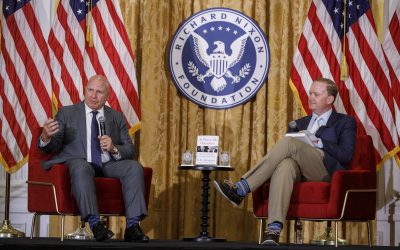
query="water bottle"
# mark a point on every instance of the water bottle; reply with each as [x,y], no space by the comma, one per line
[299,232]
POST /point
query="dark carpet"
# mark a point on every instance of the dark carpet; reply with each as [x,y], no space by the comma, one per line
[56,244]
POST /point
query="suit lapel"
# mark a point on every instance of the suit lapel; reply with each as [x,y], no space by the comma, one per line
[303,122]
[332,119]
[82,125]
[307,121]
[108,118]
[330,123]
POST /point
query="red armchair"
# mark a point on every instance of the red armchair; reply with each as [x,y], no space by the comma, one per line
[351,194]
[49,192]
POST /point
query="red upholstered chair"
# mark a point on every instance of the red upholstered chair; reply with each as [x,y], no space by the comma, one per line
[49,192]
[350,196]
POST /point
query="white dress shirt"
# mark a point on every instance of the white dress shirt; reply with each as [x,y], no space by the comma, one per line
[322,120]
[105,155]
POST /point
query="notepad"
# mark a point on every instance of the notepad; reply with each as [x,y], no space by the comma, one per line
[303,136]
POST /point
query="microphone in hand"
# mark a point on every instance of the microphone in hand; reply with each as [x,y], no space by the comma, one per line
[102,122]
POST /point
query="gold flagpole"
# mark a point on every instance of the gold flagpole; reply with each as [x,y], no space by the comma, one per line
[327,238]
[343,65]
[89,35]
[6,230]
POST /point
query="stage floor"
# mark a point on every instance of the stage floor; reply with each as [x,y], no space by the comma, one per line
[55,243]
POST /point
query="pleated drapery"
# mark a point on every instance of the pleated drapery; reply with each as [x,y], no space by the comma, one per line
[171,123]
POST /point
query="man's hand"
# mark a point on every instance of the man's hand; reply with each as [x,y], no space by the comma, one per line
[311,136]
[106,144]
[50,128]
[313,139]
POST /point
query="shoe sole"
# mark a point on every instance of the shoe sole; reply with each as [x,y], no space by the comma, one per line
[108,236]
[137,241]
[270,243]
[215,183]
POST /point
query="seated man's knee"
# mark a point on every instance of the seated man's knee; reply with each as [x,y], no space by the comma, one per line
[134,168]
[80,167]
[289,168]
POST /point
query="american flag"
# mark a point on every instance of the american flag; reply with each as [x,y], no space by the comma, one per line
[88,37]
[392,53]
[332,27]
[25,80]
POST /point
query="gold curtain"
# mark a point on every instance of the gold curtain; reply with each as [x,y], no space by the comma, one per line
[171,123]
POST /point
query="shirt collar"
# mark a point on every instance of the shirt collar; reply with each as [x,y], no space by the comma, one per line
[324,117]
[89,110]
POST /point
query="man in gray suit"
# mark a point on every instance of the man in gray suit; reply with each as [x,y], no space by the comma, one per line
[74,135]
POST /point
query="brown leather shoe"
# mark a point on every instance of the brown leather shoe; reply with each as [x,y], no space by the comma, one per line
[271,238]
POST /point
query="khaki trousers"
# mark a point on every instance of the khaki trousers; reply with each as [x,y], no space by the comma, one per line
[287,161]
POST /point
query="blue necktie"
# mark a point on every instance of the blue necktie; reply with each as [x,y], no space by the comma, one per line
[317,123]
[95,143]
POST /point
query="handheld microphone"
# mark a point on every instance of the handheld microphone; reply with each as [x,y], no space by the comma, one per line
[293,127]
[102,122]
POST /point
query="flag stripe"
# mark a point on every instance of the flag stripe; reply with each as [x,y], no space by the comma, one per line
[391,47]
[25,80]
[129,61]
[367,93]
[129,84]
[25,60]
[21,114]
[120,71]
[111,54]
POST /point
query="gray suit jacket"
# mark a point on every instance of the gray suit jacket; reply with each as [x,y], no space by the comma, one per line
[70,142]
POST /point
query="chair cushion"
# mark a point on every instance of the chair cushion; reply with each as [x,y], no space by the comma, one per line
[301,192]
[109,196]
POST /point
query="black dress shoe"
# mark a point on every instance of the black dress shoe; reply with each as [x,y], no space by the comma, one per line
[135,234]
[101,233]
[228,190]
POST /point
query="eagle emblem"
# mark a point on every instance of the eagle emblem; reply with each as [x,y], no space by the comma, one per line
[219,58]
[218,62]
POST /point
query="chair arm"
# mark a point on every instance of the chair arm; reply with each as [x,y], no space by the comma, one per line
[354,179]
[360,182]
[57,174]
[50,185]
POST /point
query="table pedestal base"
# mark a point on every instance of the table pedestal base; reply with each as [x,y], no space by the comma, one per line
[204,239]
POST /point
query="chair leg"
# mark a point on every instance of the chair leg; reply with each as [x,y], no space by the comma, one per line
[336,233]
[62,227]
[369,234]
[33,225]
[294,232]
[261,230]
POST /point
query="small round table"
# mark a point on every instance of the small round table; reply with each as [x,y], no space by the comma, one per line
[206,170]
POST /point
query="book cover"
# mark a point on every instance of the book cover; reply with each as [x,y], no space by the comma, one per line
[207,150]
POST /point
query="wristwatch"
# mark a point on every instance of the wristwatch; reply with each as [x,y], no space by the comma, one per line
[114,150]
